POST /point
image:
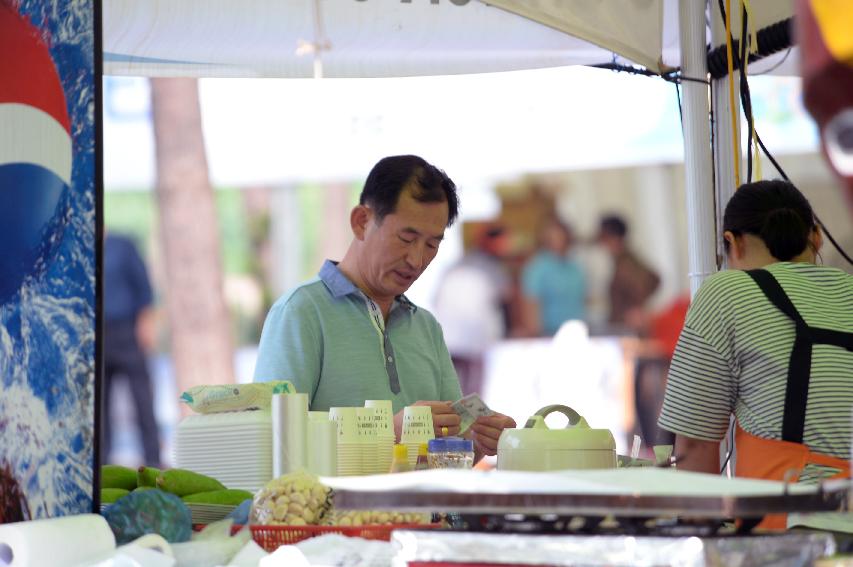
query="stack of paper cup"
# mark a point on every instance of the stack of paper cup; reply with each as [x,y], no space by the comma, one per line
[322,444]
[385,437]
[417,429]
[289,432]
[349,448]
[367,439]
[318,416]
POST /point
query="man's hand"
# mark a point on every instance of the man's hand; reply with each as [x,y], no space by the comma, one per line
[486,431]
[442,416]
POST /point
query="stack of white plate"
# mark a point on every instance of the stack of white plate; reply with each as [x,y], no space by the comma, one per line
[235,448]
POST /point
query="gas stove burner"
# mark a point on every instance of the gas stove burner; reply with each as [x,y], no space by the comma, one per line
[550,524]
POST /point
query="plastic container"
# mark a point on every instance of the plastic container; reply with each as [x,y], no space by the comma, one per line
[451,453]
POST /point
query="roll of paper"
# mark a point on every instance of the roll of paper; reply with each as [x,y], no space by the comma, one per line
[56,542]
[289,430]
[323,449]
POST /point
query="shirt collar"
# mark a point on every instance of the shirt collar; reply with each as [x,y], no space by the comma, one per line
[339,285]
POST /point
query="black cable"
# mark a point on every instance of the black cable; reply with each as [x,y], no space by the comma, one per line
[746,102]
[776,66]
[682,78]
[817,219]
[680,110]
[769,40]
[745,98]
[771,158]
[676,78]
[673,76]
[831,239]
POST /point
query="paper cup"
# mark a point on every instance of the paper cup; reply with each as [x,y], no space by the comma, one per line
[384,417]
[367,438]
[347,421]
[322,447]
[417,425]
[318,416]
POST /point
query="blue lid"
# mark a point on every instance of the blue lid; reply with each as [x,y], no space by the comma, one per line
[437,445]
[459,445]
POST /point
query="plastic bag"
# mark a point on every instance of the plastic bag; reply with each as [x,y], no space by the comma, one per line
[235,397]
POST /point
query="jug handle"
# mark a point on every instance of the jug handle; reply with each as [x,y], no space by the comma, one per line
[573,416]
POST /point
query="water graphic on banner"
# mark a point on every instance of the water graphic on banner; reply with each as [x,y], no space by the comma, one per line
[47,257]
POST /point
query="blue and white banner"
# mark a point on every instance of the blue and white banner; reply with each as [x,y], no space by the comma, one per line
[48,195]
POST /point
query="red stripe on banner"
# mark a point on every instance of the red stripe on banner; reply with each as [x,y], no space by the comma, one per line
[27,73]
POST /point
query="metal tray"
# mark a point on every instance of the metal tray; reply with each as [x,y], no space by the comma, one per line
[830,497]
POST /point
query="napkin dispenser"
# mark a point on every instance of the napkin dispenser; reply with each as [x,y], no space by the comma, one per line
[536,447]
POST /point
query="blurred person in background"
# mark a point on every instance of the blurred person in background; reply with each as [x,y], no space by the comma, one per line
[632,283]
[352,335]
[129,337]
[652,366]
[553,283]
[471,304]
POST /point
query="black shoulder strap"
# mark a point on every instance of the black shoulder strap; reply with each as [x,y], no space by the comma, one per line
[777,296]
[799,366]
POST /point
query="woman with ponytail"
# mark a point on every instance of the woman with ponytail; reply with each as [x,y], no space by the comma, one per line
[770,342]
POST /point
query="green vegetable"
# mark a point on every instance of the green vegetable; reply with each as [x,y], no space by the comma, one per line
[117,476]
[147,476]
[231,497]
[110,495]
[182,482]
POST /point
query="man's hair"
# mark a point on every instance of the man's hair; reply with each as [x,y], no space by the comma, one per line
[614,225]
[391,175]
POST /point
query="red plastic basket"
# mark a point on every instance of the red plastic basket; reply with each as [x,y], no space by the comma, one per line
[271,537]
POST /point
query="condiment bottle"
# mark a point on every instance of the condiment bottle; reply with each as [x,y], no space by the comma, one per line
[400,462]
[459,453]
[423,461]
[437,452]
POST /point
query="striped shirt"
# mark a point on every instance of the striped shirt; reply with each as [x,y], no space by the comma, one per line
[733,353]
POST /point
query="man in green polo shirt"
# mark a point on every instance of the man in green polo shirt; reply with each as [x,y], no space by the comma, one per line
[350,334]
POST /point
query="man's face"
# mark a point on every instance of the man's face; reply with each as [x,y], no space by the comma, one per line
[399,248]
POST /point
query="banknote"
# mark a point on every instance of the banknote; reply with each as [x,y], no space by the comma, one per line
[469,408]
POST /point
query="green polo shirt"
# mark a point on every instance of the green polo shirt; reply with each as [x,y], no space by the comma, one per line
[321,337]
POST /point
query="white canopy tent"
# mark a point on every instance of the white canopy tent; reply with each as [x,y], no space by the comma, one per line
[393,38]
[386,38]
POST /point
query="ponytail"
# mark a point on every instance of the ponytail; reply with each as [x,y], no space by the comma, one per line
[776,212]
[784,233]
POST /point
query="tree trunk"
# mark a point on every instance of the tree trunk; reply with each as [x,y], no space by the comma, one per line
[200,328]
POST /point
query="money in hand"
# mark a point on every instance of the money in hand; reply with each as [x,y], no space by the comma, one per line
[469,408]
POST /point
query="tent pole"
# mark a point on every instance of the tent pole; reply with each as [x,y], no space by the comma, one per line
[724,139]
[701,249]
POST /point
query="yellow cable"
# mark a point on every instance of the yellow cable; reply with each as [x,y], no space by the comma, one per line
[730,62]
